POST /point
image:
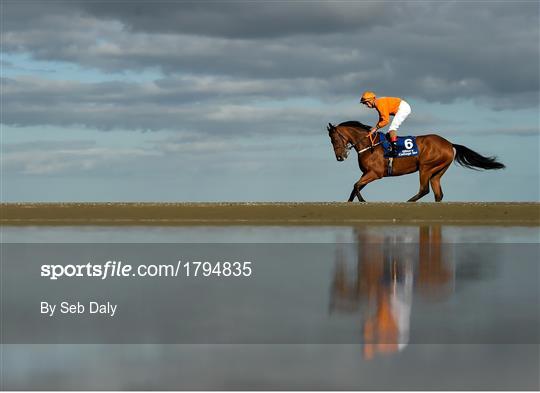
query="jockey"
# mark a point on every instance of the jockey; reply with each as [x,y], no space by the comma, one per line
[387,106]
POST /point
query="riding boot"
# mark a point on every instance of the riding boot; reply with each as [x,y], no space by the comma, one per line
[394,148]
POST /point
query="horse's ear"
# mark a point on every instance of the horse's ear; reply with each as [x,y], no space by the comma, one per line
[330,127]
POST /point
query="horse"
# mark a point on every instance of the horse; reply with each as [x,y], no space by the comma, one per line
[435,154]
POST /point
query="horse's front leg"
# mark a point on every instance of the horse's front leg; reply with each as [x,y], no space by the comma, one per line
[356,193]
[360,184]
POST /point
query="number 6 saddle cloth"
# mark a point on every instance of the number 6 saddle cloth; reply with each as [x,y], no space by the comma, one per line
[406,146]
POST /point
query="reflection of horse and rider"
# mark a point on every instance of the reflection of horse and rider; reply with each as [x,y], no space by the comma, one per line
[386,272]
[381,155]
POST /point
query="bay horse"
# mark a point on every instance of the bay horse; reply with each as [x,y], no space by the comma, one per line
[435,154]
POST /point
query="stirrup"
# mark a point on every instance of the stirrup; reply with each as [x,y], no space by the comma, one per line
[390,163]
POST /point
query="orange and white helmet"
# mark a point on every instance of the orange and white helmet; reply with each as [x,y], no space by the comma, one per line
[367,96]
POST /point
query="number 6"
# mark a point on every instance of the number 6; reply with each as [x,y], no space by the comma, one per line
[408,143]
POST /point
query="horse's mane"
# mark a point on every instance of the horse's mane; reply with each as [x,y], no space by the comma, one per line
[356,124]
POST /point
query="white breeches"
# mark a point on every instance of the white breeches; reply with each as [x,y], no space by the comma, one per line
[403,111]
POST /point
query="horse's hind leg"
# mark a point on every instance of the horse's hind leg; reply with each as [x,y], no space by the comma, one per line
[425,175]
[435,182]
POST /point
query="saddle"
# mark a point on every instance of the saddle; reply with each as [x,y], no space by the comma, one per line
[406,146]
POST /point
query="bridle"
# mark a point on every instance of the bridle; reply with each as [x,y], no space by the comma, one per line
[349,145]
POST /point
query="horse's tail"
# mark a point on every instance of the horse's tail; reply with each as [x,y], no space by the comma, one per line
[472,160]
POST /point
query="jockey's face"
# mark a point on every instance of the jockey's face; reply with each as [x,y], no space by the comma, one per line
[369,104]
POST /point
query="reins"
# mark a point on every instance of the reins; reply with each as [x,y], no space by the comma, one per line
[349,145]
[368,148]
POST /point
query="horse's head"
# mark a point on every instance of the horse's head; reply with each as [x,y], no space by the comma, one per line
[348,135]
[339,142]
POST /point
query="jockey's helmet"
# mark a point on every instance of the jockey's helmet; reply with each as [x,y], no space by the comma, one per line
[367,96]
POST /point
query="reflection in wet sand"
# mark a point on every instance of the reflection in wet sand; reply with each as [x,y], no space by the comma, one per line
[381,287]
[472,323]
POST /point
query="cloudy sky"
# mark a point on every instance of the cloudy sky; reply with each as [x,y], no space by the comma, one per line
[229,100]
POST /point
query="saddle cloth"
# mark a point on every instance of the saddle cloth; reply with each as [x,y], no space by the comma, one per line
[406,146]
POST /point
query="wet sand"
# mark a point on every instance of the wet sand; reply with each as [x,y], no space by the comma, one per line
[286,213]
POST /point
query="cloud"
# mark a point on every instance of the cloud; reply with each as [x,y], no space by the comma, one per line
[169,156]
[46,157]
[207,105]
[239,69]
[231,19]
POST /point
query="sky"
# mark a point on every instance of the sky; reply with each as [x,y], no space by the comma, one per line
[229,100]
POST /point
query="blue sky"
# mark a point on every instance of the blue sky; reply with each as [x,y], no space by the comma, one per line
[107,101]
